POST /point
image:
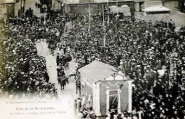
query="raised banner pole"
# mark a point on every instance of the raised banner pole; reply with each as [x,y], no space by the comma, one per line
[108,12]
[89,16]
[104,38]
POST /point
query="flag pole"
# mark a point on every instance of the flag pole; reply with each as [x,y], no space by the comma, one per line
[104,39]
[89,16]
[117,6]
[108,11]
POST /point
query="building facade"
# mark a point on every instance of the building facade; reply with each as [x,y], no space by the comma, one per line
[11,8]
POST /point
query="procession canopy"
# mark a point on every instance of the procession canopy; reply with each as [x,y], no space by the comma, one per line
[107,86]
[99,71]
[96,71]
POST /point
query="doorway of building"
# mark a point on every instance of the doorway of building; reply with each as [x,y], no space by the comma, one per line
[10,10]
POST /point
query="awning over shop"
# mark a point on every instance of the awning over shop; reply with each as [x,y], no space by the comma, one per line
[156,9]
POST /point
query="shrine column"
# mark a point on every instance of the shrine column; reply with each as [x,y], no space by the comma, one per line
[107,96]
[97,106]
[130,96]
[119,101]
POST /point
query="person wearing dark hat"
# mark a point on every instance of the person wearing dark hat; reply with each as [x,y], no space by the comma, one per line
[112,112]
[58,59]
[119,116]
[46,76]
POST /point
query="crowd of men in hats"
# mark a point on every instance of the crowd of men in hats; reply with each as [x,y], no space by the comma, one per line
[143,48]
[26,71]
[62,64]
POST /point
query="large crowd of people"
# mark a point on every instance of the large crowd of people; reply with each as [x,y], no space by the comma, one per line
[26,70]
[144,48]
